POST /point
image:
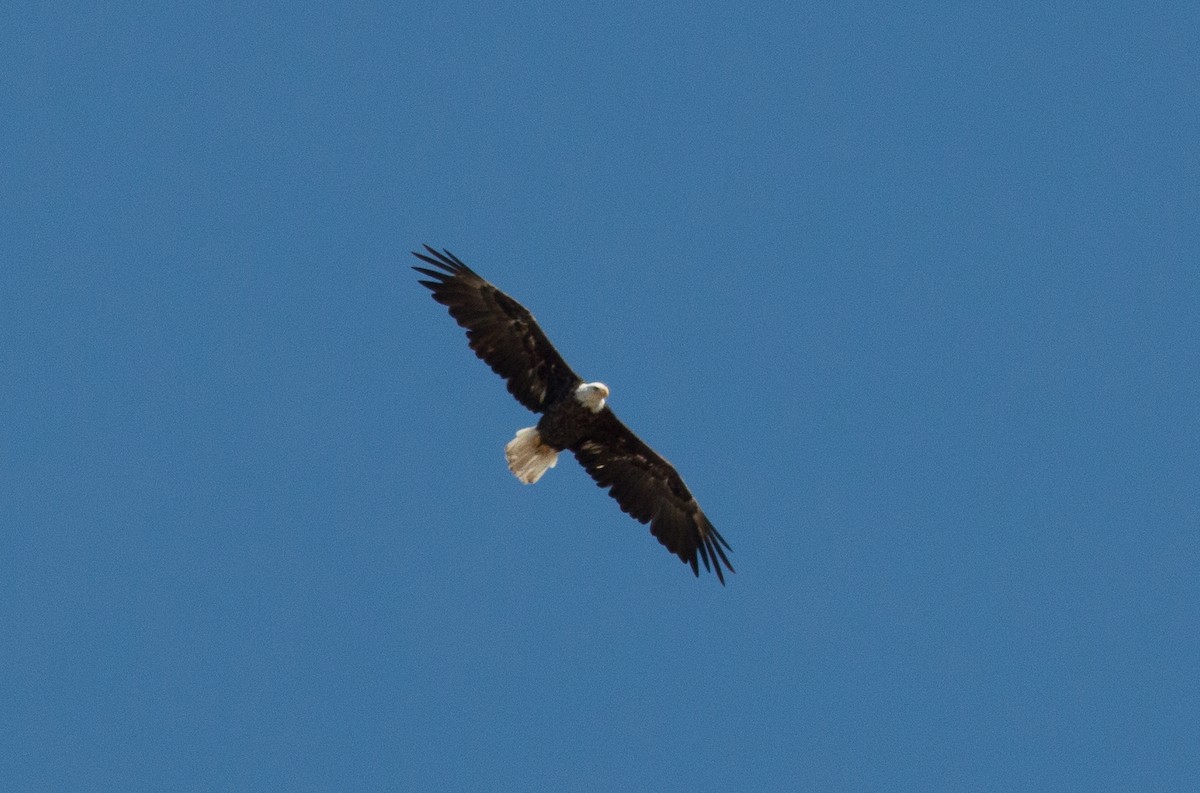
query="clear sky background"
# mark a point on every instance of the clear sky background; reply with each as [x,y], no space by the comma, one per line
[908,292]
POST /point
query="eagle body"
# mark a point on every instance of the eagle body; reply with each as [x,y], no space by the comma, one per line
[575,416]
[567,423]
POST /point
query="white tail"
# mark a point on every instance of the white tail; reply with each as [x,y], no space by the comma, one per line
[528,457]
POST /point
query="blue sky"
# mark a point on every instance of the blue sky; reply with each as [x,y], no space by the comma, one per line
[907,292]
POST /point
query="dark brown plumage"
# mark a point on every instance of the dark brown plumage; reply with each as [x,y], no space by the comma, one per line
[501,332]
[506,337]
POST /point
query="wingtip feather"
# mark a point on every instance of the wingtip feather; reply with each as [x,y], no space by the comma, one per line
[443,259]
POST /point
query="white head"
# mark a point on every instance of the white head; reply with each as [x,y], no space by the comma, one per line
[592,396]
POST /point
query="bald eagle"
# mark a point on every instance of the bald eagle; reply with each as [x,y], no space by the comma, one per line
[575,415]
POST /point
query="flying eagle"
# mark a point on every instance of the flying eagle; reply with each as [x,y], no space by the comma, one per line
[504,334]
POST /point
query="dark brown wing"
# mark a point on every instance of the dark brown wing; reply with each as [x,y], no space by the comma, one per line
[501,331]
[651,490]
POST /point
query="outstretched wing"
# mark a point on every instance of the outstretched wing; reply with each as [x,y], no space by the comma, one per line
[651,490]
[501,331]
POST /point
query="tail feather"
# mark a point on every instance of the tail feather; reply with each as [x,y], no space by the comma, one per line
[529,458]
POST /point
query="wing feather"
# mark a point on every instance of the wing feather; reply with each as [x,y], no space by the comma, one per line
[500,330]
[649,489]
